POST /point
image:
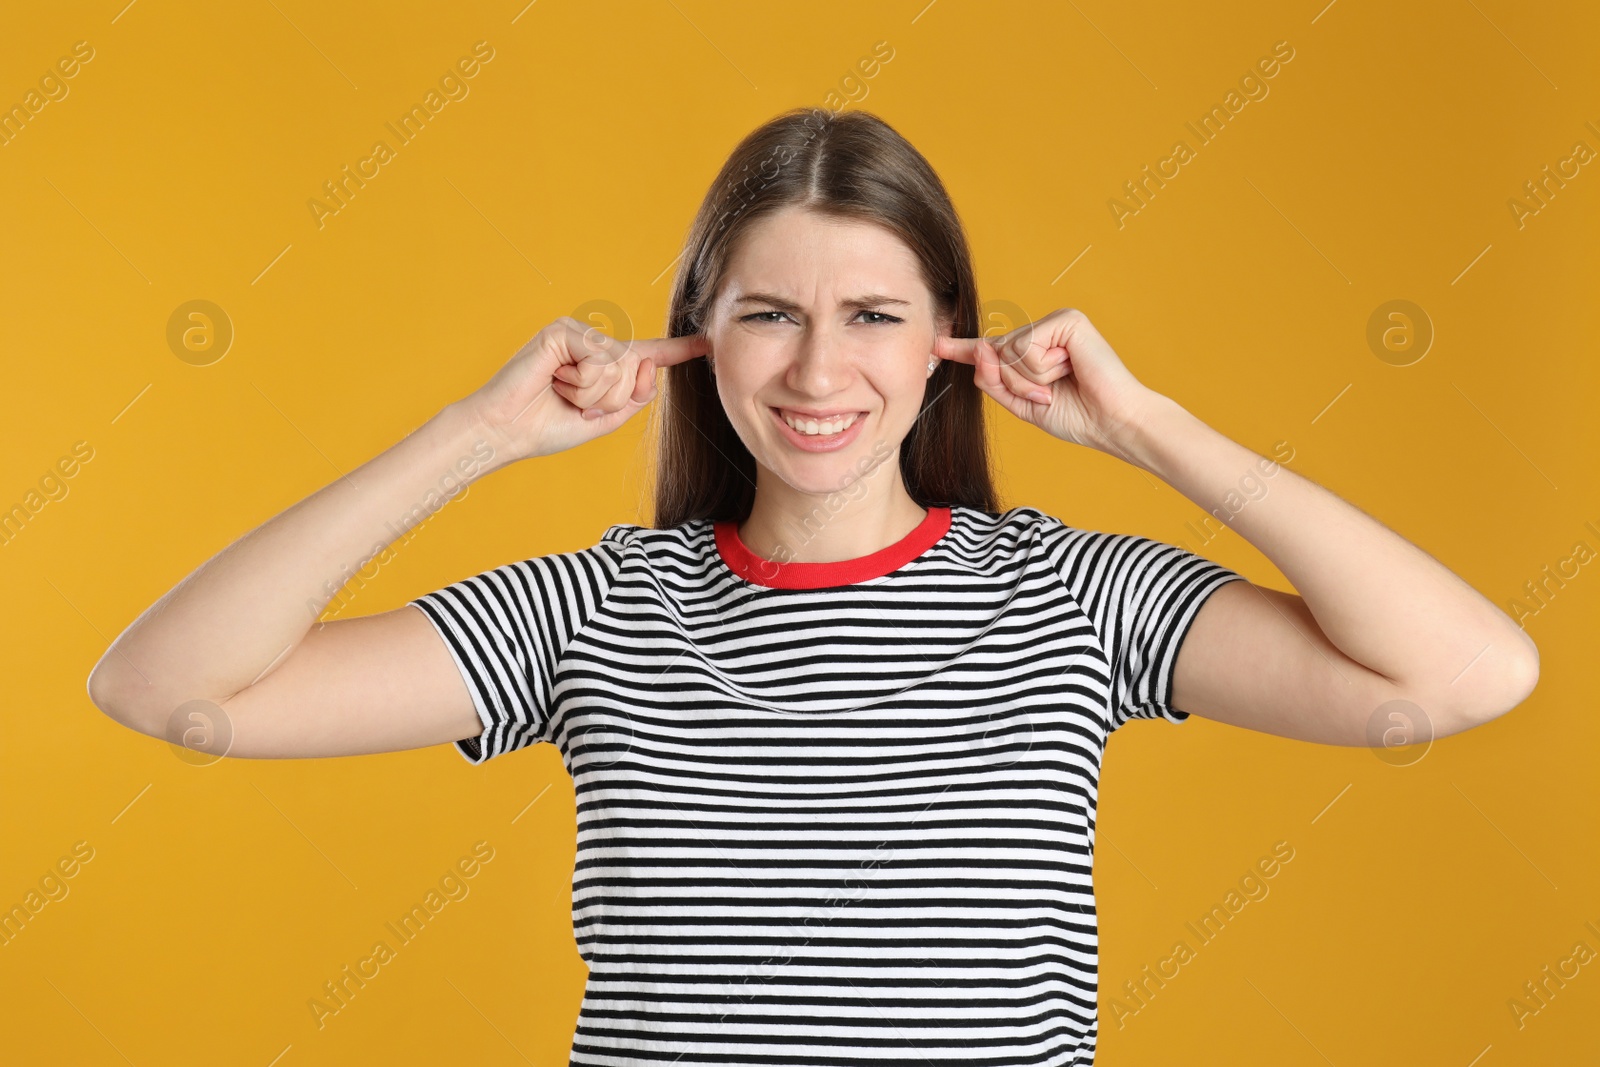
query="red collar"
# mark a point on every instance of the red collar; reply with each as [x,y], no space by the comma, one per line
[753,568]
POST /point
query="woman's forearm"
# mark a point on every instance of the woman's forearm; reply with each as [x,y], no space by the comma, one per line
[1382,600]
[239,613]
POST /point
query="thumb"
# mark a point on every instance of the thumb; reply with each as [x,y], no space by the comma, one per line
[644,391]
[644,386]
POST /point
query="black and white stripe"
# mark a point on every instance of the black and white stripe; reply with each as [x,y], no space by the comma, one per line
[840,826]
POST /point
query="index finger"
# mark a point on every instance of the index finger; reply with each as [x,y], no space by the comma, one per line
[958,349]
[668,351]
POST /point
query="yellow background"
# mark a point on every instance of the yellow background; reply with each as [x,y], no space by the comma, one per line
[1379,167]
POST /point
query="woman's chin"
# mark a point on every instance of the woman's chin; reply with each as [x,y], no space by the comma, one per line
[817,466]
[816,479]
[817,474]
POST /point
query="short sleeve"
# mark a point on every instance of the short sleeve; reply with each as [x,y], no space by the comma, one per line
[506,630]
[1142,596]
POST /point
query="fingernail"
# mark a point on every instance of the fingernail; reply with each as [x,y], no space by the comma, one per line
[591,413]
[1040,396]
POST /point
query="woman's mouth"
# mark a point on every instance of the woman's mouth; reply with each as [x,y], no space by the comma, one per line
[819,433]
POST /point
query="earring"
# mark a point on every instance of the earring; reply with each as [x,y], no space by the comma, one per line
[932,363]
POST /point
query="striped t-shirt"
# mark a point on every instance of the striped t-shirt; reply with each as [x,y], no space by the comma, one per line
[831,814]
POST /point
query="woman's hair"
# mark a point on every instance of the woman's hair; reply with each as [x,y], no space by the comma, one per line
[853,166]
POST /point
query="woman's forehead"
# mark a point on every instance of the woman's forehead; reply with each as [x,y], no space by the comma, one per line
[780,235]
[803,270]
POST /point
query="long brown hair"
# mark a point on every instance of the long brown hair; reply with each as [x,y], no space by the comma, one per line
[850,165]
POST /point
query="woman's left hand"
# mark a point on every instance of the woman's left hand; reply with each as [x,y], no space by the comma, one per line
[1059,374]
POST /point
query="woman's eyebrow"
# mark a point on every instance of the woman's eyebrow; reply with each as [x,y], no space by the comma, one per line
[869,300]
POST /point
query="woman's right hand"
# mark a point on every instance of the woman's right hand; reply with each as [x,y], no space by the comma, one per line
[536,404]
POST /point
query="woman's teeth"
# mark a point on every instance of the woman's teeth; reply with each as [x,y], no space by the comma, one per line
[837,424]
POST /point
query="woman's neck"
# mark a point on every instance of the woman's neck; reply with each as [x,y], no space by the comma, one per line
[789,526]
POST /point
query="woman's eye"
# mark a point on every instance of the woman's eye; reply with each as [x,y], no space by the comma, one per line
[883,318]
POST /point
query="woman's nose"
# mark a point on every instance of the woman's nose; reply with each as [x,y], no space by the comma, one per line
[821,364]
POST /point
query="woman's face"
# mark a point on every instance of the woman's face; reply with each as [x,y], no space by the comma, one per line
[821,324]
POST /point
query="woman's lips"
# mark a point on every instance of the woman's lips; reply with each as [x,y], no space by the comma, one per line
[818,442]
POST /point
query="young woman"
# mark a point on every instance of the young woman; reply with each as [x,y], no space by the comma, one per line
[835,721]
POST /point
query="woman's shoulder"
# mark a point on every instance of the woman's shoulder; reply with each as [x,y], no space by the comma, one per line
[1018,522]
[687,539]
[1038,526]
[987,536]
[1027,531]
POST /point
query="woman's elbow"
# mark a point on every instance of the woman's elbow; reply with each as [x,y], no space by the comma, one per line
[114,701]
[1489,702]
